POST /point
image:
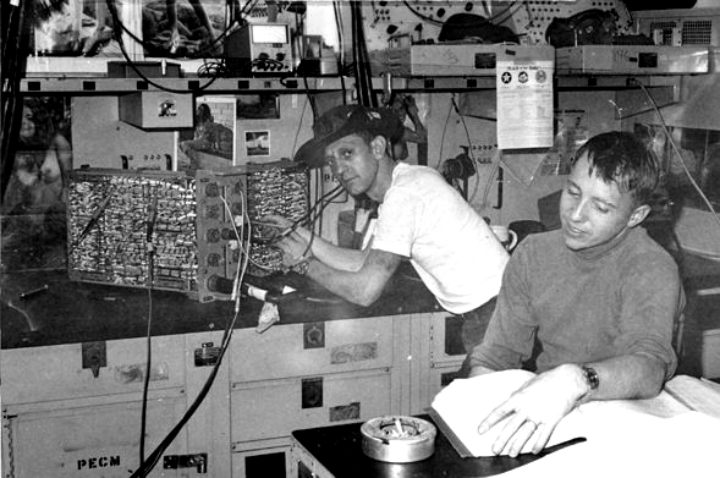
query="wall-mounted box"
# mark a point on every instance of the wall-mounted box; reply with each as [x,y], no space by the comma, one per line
[710,360]
[139,69]
[157,109]
[675,26]
[632,59]
[451,59]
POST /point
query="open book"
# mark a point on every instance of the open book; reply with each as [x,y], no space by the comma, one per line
[460,407]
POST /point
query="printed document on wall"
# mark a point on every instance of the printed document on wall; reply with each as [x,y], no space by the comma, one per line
[524,104]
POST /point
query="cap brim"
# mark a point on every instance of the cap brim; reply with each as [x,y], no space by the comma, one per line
[312,153]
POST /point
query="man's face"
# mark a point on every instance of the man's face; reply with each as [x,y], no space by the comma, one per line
[593,212]
[27,127]
[353,163]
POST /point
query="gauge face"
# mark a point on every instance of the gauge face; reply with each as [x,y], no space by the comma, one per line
[398,439]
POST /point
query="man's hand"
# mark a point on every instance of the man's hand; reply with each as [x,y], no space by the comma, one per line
[292,241]
[295,249]
[283,227]
[274,220]
[532,412]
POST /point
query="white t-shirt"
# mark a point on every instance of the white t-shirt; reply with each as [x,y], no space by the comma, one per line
[451,247]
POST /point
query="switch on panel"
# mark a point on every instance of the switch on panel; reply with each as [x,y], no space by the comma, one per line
[197,461]
[94,356]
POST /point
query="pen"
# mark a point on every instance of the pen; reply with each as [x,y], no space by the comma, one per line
[268,224]
[285,230]
[562,445]
[32,292]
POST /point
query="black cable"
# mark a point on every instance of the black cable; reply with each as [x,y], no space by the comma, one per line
[148,464]
[421,16]
[12,69]
[360,78]
[493,19]
[343,88]
[148,358]
[470,153]
[678,153]
[306,218]
[208,49]
[311,99]
[116,21]
[155,456]
[508,13]
[324,202]
[317,210]
[341,41]
[318,187]
[300,122]
[365,63]
[152,216]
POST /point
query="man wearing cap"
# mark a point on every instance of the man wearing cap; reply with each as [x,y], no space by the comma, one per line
[420,217]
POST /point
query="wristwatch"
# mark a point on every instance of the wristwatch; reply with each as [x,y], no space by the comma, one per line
[591,377]
[301,267]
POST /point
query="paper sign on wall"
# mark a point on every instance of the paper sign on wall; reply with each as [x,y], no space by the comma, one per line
[524,104]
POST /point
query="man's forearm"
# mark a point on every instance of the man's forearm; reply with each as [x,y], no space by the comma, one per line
[349,285]
[334,256]
[480,370]
[627,377]
[363,286]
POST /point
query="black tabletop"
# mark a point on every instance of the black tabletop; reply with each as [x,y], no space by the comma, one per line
[339,449]
[47,308]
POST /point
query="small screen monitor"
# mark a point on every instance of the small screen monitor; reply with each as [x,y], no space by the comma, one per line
[269,33]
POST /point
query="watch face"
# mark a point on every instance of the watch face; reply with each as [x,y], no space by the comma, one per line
[591,377]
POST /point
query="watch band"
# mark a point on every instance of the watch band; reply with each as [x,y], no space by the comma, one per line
[591,377]
[302,267]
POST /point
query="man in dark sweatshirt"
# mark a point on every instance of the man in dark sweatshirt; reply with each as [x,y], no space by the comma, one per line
[595,303]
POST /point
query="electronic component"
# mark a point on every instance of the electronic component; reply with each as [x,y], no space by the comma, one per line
[108,214]
[282,192]
[191,223]
[259,48]
[619,59]
[157,109]
[452,59]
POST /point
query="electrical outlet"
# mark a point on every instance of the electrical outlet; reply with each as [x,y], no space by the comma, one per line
[483,153]
[147,161]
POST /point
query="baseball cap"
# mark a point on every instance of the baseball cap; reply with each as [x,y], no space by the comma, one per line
[343,120]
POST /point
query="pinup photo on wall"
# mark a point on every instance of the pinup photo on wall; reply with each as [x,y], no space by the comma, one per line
[33,203]
[187,28]
[211,143]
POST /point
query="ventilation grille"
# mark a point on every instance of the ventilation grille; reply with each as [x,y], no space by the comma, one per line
[697,32]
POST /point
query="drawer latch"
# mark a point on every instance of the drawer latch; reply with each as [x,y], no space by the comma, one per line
[197,461]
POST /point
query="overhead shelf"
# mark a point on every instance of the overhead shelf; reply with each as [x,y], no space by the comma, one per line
[109,86]
[433,67]
[102,85]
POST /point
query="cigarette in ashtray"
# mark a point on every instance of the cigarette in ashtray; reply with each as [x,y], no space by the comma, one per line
[398,427]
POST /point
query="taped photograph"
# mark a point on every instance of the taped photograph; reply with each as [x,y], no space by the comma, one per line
[211,143]
[257,143]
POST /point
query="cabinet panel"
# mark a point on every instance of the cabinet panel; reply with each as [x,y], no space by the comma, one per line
[263,410]
[710,358]
[268,463]
[312,348]
[446,338]
[97,441]
[56,373]
[439,377]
